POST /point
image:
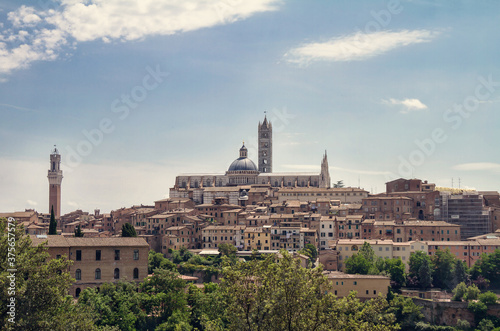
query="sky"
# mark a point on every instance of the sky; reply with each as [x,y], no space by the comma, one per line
[135,92]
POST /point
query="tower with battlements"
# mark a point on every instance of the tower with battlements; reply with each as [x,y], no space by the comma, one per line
[55,177]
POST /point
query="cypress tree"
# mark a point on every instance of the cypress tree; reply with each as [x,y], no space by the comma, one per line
[53,222]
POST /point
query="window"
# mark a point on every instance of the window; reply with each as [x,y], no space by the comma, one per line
[58,256]
[78,255]
[375,292]
[78,274]
[97,273]
[77,292]
[355,283]
[117,254]
[117,273]
[136,254]
[136,273]
[98,255]
[367,292]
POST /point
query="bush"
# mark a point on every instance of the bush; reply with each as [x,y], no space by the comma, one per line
[478,308]
[488,298]
[459,292]
[472,293]
[463,324]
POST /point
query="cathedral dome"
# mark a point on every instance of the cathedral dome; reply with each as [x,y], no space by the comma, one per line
[243,163]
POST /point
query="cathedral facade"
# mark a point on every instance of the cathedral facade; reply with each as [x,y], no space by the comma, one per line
[244,173]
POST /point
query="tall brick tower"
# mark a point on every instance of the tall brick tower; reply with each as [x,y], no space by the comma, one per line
[55,178]
[265,146]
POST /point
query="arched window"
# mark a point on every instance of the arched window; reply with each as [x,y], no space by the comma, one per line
[78,274]
[136,273]
[77,292]
[117,273]
[97,273]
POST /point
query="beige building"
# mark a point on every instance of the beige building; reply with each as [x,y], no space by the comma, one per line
[257,238]
[214,235]
[99,260]
[386,249]
[346,195]
[366,286]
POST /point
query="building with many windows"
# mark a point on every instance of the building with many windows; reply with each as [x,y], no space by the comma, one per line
[99,260]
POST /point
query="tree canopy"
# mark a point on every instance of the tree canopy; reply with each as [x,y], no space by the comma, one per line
[128,230]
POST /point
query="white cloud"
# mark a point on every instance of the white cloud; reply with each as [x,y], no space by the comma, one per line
[479,166]
[357,46]
[408,104]
[122,20]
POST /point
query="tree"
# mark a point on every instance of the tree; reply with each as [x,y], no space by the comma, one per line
[164,295]
[396,269]
[460,272]
[443,262]
[459,292]
[128,230]
[270,295]
[416,260]
[156,260]
[311,251]
[357,264]
[78,232]
[41,285]
[488,266]
[407,313]
[488,298]
[53,222]
[115,304]
[339,184]
[424,274]
[472,293]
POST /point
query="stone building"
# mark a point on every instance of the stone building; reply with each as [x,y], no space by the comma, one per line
[99,260]
[203,188]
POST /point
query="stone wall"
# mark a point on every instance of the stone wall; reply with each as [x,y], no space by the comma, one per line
[449,312]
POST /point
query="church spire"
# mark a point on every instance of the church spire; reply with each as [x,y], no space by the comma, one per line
[324,180]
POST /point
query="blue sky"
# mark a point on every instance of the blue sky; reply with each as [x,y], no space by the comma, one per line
[389,88]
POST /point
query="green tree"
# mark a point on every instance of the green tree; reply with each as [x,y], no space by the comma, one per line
[53,222]
[488,298]
[128,230]
[488,266]
[485,325]
[269,295]
[396,270]
[443,262]
[206,306]
[460,272]
[163,295]
[478,308]
[115,304]
[459,292]
[415,262]
[78,232]
[156,260]
[425,274]
[357,264]
[407,313]
[472,293]
[41,285]
[311,251]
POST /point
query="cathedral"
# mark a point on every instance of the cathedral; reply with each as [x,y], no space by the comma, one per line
[244,173]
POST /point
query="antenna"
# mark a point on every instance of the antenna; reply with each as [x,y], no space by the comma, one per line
[458,182]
